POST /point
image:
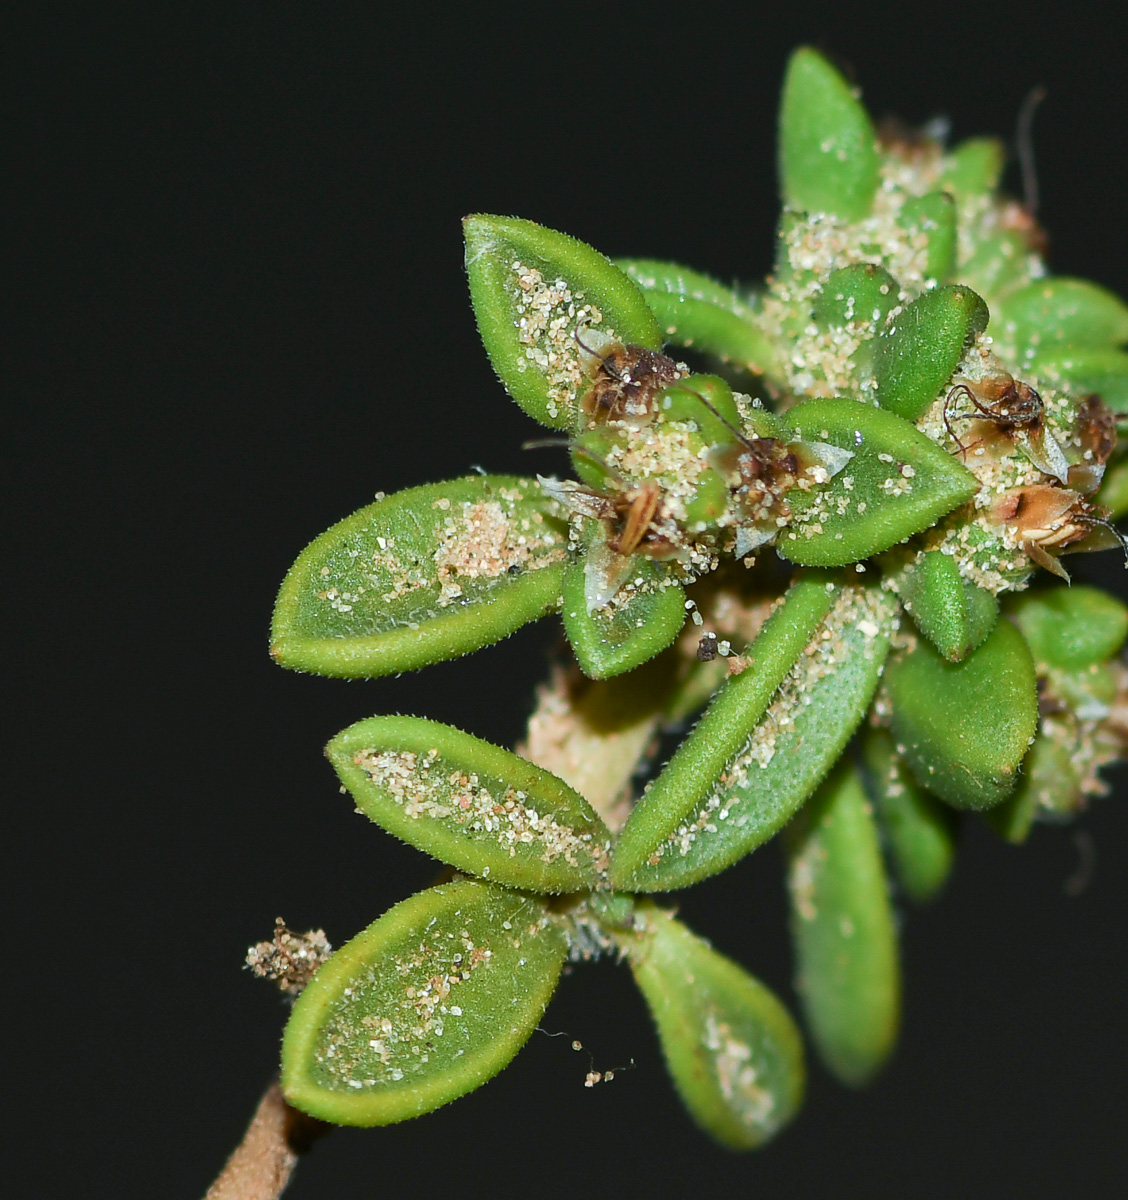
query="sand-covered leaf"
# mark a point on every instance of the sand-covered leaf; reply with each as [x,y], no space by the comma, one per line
[539,298]
[788,753]
[471,804]
[965,727]
[847,969]
[931,218]
[828,153]
[423,575]
[917,355]
[428,1003]
[955,614]
[897,483]
[732,1049]
[693,771]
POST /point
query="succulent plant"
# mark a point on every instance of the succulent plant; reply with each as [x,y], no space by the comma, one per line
[835,558]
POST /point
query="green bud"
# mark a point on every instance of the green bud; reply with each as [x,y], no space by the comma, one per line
[428,1003]
[917,356]
[829,161]
[955,614]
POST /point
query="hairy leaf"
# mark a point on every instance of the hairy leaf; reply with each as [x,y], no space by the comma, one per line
[698,762]
[471,804]
[732,1049]
[1071,628]
[426,574]
[789,752]
[1088,370]
[965,727]
[897,483]
[537,295]
[428,1003]
[828,154]
[955,614]
[845,943]
[933,218]
[1059,313]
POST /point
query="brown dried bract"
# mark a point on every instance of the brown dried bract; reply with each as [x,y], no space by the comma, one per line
[1008,404]
[626,381]
[1046,518]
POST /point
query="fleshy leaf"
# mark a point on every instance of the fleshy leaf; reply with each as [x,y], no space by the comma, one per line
[696,312]
[1000,262]
[955,614]
[933,217]
[428,1003]
[848,973]
[1049,777]
[828,154]
[535,292]
[814,714]
[917,356]
[1102,371]
[965,727]
[974,167]
[918,831]
[698,762]
[643,617]
[1071,628]
[471,804]
[898,483]
[735,1054]
[1114,491]
[1059,313]
[424,575]
[861,293]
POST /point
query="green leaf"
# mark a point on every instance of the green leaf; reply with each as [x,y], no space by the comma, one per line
[842,925]
[1102,371]
[1071,628]
[693,771]
[898,483]
[974,167]
[917,356]
[965,727]
[933,217]
[643,618]
[470,804]
[1059,313]
[919,832]
[1113,493]
[534,292]
[1000,262]
[428,1003]
[696,312]
[955,614]
[789,752]
[829,161]
[732,1049]
[421,576]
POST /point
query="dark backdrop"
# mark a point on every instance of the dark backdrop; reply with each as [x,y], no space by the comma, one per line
[240,297]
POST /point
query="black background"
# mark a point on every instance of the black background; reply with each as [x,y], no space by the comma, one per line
[240,299]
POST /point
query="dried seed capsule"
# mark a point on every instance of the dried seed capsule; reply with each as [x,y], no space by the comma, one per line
[546,305]
[732,1049]
[428,1003]
[848,973]
[919,832]
[424,575]
[955,614]
[829,161]
[914,360]
[965,727]
[473,805]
